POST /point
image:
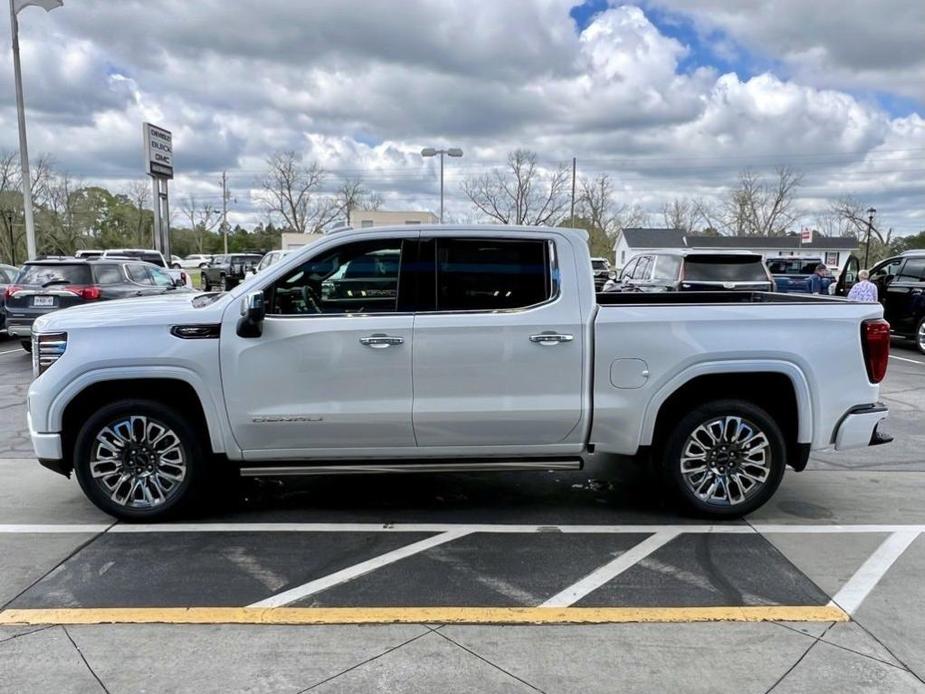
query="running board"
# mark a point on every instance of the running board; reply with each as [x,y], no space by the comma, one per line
[367,468]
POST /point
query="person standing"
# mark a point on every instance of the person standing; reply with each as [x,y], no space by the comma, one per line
[864,289]
[819,281]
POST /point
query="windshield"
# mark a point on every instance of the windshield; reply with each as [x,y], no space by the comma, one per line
[724,268]
[58,274]
[793,266]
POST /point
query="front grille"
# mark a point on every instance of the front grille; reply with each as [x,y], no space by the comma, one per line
[47,348]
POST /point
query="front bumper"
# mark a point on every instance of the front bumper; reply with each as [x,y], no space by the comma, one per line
[46,446]
[858,428]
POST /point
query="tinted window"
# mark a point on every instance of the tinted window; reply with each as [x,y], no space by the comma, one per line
[355,278]
[728,268]
[57,274]
[138,273]
[913,271]
[666,267]
[887,269]
[485,275]
[108,274]
[599,264]
[793,266]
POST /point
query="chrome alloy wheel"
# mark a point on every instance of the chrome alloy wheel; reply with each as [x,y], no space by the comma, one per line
[726,460]
[138,462]
[920,337]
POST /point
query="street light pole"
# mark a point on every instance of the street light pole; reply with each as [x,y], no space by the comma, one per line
[16,7]
[431,152]
[870,223]
[9,227]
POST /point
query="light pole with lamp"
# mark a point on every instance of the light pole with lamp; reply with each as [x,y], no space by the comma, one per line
[870,223]
[16,6]
[431,152]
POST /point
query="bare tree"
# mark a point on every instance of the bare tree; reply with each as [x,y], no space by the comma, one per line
[62,198]
[759,208]
[352,195]
[203,218]
[521,193]
[138,193]
[603,216]
[854,218]
[290,191]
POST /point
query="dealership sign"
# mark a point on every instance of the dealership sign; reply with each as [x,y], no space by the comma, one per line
[158,151]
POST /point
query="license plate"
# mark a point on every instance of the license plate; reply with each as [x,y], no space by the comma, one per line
[43,301]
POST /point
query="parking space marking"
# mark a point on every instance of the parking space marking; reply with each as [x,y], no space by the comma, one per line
[859,586]
[610,570]
[13,351]
[45,529]
[911,361]
[422,615]
[351,572]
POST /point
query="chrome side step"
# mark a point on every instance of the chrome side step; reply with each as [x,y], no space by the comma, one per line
[367,468]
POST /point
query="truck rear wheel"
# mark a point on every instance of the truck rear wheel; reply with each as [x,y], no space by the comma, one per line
[138,460]
[724,459]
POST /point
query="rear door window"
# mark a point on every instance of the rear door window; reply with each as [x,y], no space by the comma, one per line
[913,271]
[724,268]
[492,274]
[108,274]
[666,267]
[46,275]
[139,274]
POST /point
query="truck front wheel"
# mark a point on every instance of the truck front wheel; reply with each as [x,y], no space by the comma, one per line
[724,459]
[138,460]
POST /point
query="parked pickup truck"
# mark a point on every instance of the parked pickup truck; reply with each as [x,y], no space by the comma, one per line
[488,350]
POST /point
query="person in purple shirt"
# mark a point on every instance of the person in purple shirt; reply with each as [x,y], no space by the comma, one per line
[864,290]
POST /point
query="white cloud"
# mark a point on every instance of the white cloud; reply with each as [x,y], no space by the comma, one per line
[362,86]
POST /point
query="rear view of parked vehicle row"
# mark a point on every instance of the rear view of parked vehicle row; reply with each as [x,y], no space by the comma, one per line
[445,348]
[43,286]
[694,271]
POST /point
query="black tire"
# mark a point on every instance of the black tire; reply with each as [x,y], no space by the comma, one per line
[681,441]
[223,284]
[26,345]
[919,337]
[179,499]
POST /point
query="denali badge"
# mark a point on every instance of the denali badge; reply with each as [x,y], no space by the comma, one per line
[286,419]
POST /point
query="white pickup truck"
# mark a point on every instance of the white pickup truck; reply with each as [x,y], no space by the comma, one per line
[450,348]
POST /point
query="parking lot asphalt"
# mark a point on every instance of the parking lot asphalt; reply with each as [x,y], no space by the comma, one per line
[510,582]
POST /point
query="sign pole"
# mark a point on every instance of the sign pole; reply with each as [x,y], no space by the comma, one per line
[158,147]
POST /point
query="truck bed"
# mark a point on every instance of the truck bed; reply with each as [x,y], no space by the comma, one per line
[743,297]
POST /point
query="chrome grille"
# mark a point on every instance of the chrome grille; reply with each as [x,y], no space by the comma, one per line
[47,348]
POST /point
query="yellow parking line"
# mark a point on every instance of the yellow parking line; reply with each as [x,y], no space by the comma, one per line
[416,615]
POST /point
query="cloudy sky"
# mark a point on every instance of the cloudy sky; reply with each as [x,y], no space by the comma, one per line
[671,97]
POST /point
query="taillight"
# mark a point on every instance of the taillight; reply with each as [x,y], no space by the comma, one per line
[86,292]
[875,342]
[12,289]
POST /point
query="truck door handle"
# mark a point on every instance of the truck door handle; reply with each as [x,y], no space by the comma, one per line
[550,338]
[381,341]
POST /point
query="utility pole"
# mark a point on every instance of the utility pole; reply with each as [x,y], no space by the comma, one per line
[225,209]
[8,213]
[572,214]
[870,223]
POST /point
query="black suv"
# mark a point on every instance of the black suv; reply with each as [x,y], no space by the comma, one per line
[900,284]
[696,271]
[227,271]
[43,286]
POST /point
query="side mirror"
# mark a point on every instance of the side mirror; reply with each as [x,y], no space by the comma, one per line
[253,311]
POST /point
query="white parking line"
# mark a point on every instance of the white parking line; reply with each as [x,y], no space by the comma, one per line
[911,361]
[858,587]
[351,572]
[13,351]
[609,571]
[15,529]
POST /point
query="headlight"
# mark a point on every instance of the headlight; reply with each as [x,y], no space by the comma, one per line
[47,348]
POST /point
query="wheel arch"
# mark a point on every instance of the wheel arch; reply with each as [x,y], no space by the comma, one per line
[779,388]
[171,387]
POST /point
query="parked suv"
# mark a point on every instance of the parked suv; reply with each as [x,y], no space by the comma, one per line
[901,289]
[696,271]
[43,286]
[227,271]
[7,275]
[602,272]
[155,258]
[793,273]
